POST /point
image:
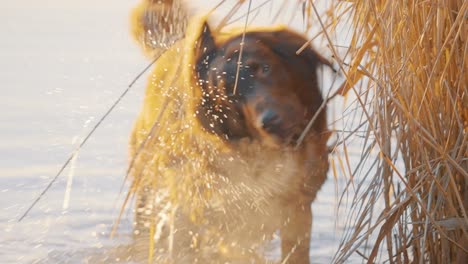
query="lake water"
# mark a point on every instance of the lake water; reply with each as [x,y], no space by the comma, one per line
[62,65]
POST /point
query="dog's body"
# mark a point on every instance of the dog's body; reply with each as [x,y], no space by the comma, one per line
[215,145]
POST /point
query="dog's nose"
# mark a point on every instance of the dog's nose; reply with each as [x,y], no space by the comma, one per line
[270,120]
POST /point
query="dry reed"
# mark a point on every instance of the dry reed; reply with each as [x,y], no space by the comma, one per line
[413,56]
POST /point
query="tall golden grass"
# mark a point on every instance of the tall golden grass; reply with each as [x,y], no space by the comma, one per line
[413,57]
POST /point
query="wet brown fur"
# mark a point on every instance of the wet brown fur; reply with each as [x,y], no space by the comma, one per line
[262,182]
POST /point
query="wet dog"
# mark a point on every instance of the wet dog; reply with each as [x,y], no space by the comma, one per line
[220,159]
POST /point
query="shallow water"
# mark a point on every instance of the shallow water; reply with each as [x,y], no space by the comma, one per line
[62,64]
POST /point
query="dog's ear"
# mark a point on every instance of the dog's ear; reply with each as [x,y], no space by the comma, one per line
[312,55]
[288,49]
[204,47]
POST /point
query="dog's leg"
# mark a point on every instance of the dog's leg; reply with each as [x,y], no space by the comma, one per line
[144,212]
[295,233]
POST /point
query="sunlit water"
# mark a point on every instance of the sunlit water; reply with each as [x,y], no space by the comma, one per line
[62,64]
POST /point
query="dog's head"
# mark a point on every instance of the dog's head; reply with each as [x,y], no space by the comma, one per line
[269,94]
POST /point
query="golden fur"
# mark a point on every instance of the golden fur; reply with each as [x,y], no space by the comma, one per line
[202,196]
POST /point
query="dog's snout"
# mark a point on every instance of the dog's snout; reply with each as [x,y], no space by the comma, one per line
[270,120]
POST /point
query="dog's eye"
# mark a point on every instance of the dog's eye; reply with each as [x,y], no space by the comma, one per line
[265,68]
